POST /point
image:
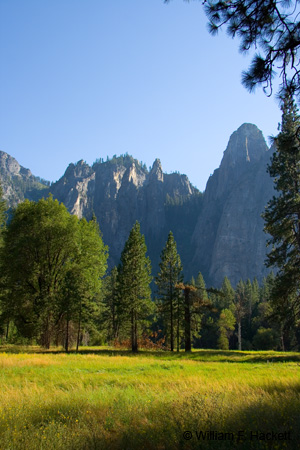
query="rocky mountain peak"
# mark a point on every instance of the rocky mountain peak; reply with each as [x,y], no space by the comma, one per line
[156,171]
[18,182]
[246,149]
[10,165]
[79,170]
[246,145]
[229,234]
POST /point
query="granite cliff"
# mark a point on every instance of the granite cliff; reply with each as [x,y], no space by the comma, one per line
[121,191]
[229,238]
[219,233]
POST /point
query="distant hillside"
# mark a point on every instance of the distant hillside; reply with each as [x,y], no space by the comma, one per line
[17,182]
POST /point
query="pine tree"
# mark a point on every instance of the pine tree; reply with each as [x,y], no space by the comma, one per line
[201,287]
[227,300]
[168,296]
[271,28]
[134,279]
[187,289]
[199,305]
[264,306]
[282,215]
[255,292]
[194,302]
[226,325]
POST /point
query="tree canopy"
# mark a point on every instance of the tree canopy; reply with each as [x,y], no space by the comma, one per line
[269,27]
[51,261]
[282,215]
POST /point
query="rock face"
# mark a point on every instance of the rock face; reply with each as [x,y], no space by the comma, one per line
[76,188]
[220,233]
[229,237]
[121,191]
[17,182]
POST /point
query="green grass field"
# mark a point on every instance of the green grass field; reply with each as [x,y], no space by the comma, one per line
[106,399]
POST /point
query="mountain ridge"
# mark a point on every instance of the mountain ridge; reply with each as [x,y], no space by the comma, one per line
[219,233]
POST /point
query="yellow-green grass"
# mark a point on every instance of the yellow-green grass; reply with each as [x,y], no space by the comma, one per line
[106,399]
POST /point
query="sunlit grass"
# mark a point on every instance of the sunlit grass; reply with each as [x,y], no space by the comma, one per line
[109,399]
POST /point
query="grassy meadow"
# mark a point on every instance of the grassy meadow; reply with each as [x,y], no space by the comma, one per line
[109,399]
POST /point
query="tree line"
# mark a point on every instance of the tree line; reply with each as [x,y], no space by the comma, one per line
[55,291]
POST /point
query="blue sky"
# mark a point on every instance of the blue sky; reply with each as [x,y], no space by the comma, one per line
[83,79]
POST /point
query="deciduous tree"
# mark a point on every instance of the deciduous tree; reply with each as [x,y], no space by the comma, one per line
[52,262]
[83,282]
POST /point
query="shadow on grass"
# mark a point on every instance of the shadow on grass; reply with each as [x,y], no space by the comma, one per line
[229,356]
[203,355]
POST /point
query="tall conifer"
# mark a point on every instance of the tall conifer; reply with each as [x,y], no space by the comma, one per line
[169,297]
[282,215]
[227,300]
[134,279]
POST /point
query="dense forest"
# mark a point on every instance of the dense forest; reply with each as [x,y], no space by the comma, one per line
[55,291]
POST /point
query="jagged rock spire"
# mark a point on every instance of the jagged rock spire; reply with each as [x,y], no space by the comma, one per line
[157,171]
[246,144]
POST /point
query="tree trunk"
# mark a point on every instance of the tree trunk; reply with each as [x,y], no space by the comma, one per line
[135,333]
[114,324]
[78,331]
[240,335]
[132,332]
[46,337]
[282,342]
[134,347]
[7,330]
[171,325]
[187,320]
[67,336]
[178,331]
